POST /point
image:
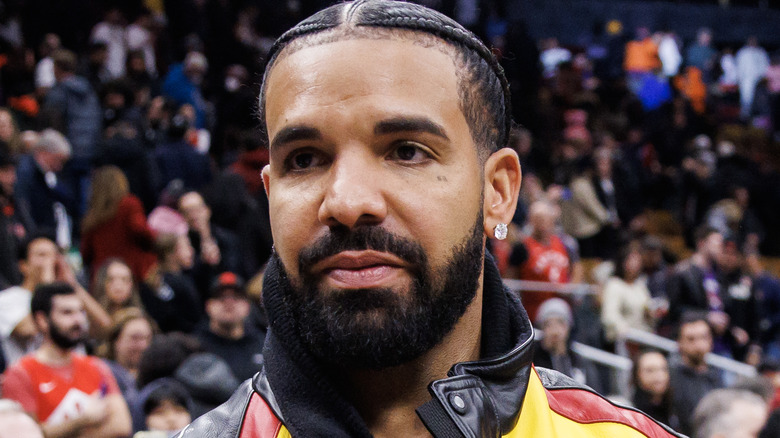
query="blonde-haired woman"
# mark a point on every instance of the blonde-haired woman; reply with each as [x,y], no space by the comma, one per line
[10,135]
[115,225]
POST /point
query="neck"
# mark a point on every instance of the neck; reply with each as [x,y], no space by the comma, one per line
[228,331]
[541,237]
[29,284]
[387,399]
[50,354]
[699,366]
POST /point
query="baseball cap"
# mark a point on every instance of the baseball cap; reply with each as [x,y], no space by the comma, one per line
[227,280]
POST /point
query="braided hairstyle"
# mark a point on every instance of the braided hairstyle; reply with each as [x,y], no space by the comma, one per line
[483,88]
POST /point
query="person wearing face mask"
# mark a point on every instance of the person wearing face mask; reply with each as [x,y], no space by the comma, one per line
[234,108]
[183,84]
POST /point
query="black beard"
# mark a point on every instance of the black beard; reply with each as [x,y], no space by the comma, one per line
[61,339]
[381,328]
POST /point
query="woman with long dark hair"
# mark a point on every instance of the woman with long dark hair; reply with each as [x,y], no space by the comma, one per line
[652,390]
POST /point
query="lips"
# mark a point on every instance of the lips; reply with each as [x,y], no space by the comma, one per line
[360,269]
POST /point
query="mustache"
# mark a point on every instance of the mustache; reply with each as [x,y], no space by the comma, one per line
[366,237]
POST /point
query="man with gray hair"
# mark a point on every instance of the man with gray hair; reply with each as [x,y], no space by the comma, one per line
[729,413]
[39,186]
[16,423]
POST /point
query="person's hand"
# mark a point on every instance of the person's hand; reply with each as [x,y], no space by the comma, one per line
[94,411]
[209,252]
[64,272]
[740,335]
[153,277]
[43,273]
[719,321]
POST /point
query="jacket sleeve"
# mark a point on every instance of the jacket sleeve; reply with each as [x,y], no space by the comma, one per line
[136,220]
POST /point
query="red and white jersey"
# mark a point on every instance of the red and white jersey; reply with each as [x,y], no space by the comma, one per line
[57,394]
[546,263]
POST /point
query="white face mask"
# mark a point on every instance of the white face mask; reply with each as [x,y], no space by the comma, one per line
[231,84]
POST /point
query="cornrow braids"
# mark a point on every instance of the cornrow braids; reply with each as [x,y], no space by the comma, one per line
[483,88]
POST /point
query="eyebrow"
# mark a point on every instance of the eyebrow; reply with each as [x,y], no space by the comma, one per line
[295,133]
[409,124]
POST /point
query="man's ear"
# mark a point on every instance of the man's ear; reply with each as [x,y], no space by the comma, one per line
[41,322]
[266,178]
[502,188]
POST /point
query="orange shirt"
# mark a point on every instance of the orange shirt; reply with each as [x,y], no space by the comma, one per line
[641,56]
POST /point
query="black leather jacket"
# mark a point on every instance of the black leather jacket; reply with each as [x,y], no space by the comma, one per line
[478,399]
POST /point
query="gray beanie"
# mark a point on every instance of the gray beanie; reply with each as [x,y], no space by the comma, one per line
[554,308]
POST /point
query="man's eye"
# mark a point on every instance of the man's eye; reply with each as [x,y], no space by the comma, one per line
[410,152]
[302,160]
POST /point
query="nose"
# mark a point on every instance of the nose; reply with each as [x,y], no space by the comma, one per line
[354,194]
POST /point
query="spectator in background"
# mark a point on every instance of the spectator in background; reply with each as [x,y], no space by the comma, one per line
[692,378]
[669,53]
[206,377]
[183,85]
[652,390]
[10,137]
[128,338]
[740,303]
[69,394]
[40,263]
[541,255]
[729,413]
[15,223]
[216,249]
[39,189]
[554,349]
[140,39]
[17,423]
[694,284]
[115,225]
[598,205]
[625,299]
[114,287]
[44,69]
[701,54]
[169,295]
[752,64]
[166,407]
[73,108]
[177,159]
[111,32]
[228,333]
[93,66]
[235,115]
[641,59]
[552,55]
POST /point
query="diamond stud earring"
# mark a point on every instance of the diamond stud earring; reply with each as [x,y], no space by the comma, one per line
[500,231]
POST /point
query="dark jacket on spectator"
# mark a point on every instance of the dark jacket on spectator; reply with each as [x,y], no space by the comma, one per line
[72,107]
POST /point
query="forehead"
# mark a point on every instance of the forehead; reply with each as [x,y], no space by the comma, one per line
[117,269]
[696,328]
[66,302]
[42,245]
[396,76]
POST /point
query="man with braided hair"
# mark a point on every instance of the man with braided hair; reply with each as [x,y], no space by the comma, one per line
[387,125]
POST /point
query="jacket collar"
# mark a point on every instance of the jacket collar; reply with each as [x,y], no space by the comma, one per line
[480,398]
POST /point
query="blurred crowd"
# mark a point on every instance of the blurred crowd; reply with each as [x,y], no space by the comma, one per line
[130,161]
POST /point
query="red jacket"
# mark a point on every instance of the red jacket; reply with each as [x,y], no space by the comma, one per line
[126,235]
